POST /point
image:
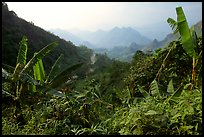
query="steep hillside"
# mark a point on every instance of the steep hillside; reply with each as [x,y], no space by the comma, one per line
[14,28]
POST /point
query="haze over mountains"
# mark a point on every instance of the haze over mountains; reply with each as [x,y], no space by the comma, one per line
[119,36]
[120,42]
[104,39]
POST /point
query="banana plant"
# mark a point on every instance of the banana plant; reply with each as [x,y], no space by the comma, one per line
[155,94]
[21,76]
[188,38]
[55,79]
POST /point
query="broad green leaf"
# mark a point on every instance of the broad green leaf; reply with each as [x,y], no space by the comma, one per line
[55,69]
[32,88]
[55,92]
[144,92]
[173,25]
[17,71]
[63,76]
[154,89]
[5,74]
[39,55]
[22,51]
[25,78]
[39,72]
[47,89]
[177,93]
[194,36]
[184,31]
[151,112]
[8,68]
[170,88]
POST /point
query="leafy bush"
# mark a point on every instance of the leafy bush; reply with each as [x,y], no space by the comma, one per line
[151,117]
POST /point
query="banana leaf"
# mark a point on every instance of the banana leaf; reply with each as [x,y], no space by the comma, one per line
[22,51]
[177,93]
[39,55]
[55,69]
[27,79]
[154,89]
[144,92]
[63,76]
[39,72]
[170,88]
[17,72]
[5,74]
[8,68]
[173,25]
[187,41]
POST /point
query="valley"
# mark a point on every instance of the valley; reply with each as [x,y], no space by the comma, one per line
[103,82]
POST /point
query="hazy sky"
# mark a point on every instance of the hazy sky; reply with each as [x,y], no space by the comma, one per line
[101,15]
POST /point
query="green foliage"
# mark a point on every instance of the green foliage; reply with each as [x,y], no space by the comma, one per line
[22,51]
[39,73]
[185,32]
[151,117]
[61,78]
[144,93]
[55,68]
[170,88]
[150,96]
[154,89]
[38,56]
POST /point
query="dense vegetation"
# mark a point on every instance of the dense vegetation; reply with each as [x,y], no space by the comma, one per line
[159,92]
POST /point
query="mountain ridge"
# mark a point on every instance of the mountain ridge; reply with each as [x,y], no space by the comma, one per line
[117,36]
[14,28]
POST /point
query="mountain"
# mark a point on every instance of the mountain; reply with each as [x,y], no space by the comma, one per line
[67,36]
[121,53]
[125,53]
[14,28]
[198,28]
[115,37]
[155,30]
[170,37]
